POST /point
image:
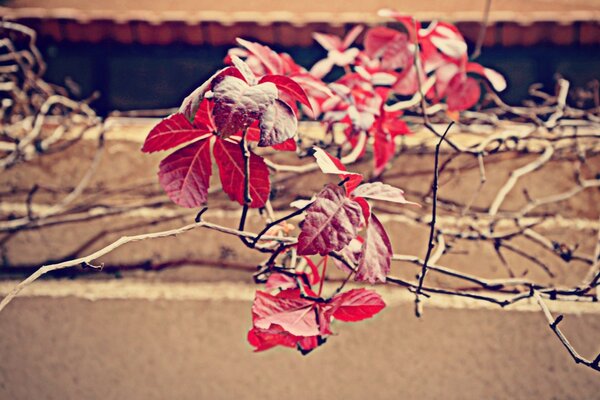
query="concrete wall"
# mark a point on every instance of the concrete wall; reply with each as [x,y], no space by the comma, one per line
[142,340]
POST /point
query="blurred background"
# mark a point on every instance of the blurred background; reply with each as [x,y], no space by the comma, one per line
[173,46]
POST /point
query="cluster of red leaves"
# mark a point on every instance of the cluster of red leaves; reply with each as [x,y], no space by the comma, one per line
[338,213]
[256,100]
[386,68]
[232,104]
[298,318]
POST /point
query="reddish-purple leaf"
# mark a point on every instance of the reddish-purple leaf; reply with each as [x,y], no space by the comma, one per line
[280,281]
[381,191]
[288,87]
[376,257]
[171,132]
[277,124]
[185,174]
[357,304]
[230,161]
[331,222]
[237,104]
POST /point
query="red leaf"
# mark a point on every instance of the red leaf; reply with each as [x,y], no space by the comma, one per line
[230,161]
[171,132]
[376,257]
[295,315]
[288,145]
[264,339]
[288,87]
[383,150]
[381,191]
[331,222]
[277,124]
[357,304]
[314,270]
[280,281]
[203,119]
[332,165]
[463,93]
[185,174]
[391,45]
[365,207]
[237,104]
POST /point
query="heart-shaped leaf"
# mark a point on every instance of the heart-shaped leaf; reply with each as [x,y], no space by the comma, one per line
[376,257]
[230,161]
[237,104]
[331,222]
[185,174]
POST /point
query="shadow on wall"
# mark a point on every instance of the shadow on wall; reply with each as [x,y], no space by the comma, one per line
[148,77]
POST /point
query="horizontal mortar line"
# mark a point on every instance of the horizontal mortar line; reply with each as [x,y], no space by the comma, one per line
[131,289]
[164,212]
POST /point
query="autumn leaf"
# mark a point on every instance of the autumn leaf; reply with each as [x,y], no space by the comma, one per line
[357,304]
[230,161]
[185,174]
[238,104]
[171,132]
[277,124]
[376,257]
[332,220]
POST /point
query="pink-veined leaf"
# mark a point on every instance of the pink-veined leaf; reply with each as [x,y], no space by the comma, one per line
[383,149]
[381,191]
[171,132]
[204,118]
[332,220]
[237,104]
[230,161]
[288,87]
[185,174]
[295,315]
[376,257]
[391,45]
[277,124]
[357,304]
